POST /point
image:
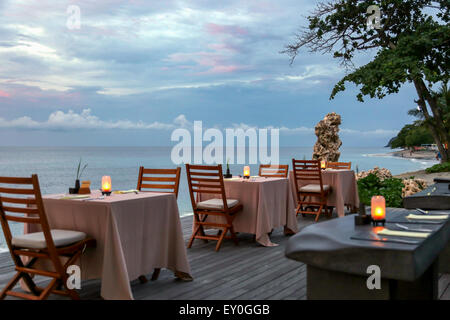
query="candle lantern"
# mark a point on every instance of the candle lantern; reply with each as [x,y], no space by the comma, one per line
[323,164]
[378,210]
[106,185]
[246,172]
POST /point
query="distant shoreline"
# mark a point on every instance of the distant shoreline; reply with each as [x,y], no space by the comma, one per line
[418,155]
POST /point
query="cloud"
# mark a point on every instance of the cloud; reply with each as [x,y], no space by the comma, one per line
[310,130]
[60,120]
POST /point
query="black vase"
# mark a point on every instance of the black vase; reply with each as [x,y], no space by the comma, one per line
[77,186]
[228,174]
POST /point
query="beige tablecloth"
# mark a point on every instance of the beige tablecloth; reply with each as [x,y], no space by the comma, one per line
[344,189]
[135,233]
[267,202]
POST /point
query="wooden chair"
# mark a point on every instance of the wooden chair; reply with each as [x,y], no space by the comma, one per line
[314,193]
[339,165]
[25,205]
[274,170]
[209,180]
[158,180]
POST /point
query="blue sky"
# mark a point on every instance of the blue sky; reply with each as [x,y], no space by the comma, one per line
[136,70]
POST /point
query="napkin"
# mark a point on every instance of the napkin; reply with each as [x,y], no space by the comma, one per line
[427,217]
[125,191]
[75,197]
[387,232]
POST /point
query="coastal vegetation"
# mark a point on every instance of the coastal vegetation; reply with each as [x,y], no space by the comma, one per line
[379,181]
[410,46]
[418,133]
[390,189]
[441,167]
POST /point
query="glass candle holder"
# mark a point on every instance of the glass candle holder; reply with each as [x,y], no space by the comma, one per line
[378,210]
[246,172]
[106,185]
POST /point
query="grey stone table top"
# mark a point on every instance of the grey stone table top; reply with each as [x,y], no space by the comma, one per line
[436,196]
[328,245]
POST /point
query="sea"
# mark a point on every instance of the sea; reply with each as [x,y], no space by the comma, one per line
[56,166]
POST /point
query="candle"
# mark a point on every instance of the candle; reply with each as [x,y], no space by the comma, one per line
[246,172]
[106,184]
[378,209]
[323,164]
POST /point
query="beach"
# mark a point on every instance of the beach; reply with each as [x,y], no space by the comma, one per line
[421,174]
[419,155]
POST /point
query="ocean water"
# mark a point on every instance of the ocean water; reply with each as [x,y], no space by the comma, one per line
[56,166]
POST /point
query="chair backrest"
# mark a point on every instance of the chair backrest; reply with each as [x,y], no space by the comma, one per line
[205,179]
[21,201]
[339,165]
[159,180]
[307,170]
[274,170]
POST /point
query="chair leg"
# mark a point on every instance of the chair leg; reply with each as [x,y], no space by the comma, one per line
[143,279]
[155,274]
[46,292]
[219,242]
[319,212]
[11,284]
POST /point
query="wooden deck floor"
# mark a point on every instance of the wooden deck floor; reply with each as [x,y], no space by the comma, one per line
[247,271]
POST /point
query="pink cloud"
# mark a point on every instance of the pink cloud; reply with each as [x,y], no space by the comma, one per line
[216,29]
[4,94]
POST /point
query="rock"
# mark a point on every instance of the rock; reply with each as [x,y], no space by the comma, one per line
[381,173]
[328,142]
[412,186]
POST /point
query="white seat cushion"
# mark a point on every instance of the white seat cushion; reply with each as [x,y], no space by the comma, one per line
[216,204]
[315,188]
[36,240]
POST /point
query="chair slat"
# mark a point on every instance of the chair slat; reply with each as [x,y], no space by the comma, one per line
[158,179]
[16,191]
[160,171]
[14,180]
[20,210]
[22,219]
[158,186]
[27,201]
[204,174]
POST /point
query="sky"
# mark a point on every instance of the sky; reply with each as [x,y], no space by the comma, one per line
[130,72]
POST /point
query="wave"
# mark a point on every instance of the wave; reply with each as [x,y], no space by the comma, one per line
[3,249]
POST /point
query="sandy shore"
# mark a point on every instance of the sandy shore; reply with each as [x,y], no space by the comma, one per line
[421,174]
[421,155]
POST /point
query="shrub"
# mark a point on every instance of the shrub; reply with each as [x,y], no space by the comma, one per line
[390,189]
[441,167]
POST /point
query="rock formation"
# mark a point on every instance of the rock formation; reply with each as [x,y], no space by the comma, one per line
[381,173]
[328,142]
[412,186]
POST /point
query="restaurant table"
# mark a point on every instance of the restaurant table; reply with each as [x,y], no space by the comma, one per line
[344,190]
[436,196]
[337,263]
[267,204]
[135,233]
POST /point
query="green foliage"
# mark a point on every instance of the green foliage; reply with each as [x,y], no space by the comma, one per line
[441,167]
[411,135]
[390,189]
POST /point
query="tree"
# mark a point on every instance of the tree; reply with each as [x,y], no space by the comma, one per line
[411,46]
